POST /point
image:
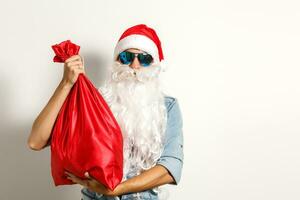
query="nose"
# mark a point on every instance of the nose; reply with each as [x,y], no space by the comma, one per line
[135,64]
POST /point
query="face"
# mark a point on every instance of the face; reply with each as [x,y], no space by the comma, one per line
[135,64]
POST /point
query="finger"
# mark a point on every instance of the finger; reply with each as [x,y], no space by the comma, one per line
[74,180]
[91,180]
[74,67]
[70,178]
[78,181]
[74,63]
[72,58]
[75,71]
[70,174]
[80,71]
[86,174]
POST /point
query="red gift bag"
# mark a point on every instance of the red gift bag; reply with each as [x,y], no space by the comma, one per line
[85,137]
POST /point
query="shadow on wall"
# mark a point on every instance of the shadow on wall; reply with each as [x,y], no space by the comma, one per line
[26,174]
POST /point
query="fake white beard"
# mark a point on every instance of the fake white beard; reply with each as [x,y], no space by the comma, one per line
[137,102]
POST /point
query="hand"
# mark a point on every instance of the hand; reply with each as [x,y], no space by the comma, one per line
[92,184]
[72,68]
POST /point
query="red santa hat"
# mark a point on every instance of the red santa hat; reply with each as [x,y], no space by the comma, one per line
[140,37]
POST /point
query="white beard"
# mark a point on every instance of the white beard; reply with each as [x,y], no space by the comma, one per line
[137,102]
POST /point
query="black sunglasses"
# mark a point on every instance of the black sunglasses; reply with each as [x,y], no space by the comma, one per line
[127,58]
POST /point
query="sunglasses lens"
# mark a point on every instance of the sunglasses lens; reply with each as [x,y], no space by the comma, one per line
[145,59]
[126,57]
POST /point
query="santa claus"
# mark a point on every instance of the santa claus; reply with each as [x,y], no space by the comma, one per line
[150,121]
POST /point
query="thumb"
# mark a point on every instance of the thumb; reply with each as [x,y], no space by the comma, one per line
[86,174]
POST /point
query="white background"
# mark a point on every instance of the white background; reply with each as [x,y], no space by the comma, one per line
[233,65]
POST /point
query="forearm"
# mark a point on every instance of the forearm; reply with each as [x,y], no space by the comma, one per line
[42,126]
[156,176]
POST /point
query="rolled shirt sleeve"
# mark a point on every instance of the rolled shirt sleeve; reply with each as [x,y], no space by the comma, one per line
[172,155]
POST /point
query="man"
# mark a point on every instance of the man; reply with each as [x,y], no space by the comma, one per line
[150,121]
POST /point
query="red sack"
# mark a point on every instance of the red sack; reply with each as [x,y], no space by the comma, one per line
[85,137]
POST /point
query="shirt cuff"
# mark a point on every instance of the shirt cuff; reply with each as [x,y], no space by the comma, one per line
[173,165]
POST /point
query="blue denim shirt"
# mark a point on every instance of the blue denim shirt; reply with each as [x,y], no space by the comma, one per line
[171,158]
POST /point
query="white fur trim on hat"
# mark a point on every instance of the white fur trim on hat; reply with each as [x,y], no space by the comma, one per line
[139,42]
